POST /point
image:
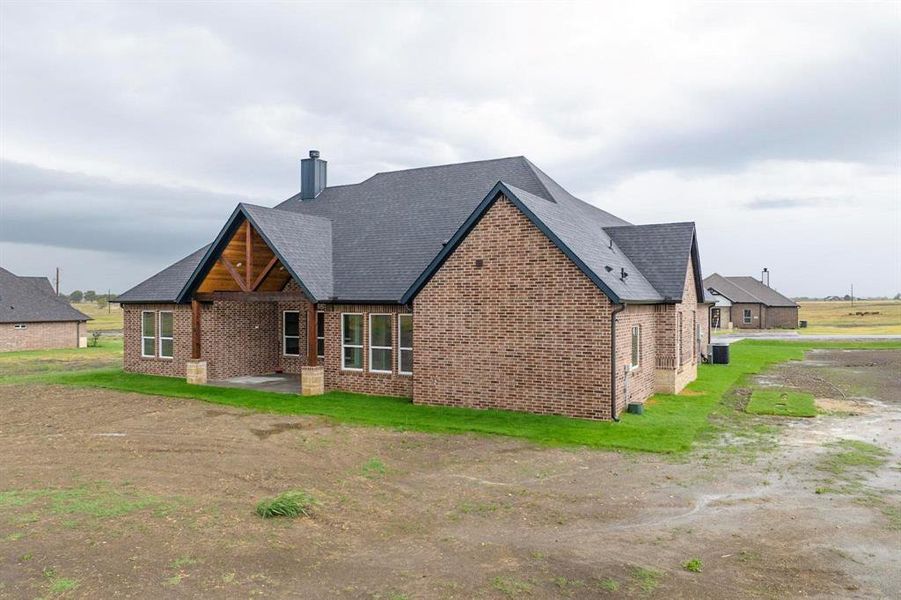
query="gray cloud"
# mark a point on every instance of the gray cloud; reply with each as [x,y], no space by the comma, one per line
[52,208]
[173,112]
[785,203]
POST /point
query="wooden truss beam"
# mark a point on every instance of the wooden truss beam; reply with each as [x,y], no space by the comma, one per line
[249,296]
[263,273]
[234,273]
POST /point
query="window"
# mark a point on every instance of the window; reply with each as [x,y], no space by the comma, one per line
[405,344]
[148,334]
[320,335]
[20,326]
[291,333]
[679,342]
[381,349]
[351,342]
[697,332]
[166,334]
[746,316]
[636,346]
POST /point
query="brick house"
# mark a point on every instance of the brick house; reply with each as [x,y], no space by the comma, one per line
[33,317]
[746,303]
[481,284]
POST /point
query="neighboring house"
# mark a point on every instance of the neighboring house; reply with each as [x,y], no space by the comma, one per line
[481,284]
[746,303]
[33,317]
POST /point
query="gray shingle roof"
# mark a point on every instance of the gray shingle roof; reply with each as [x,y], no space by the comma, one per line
[747,290]
[660,252]
[582,229]
[28,300]
[42,282]
[166,285]
[302,242]
[388,229]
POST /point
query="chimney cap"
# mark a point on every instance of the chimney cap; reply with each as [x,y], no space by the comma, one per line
[314,153]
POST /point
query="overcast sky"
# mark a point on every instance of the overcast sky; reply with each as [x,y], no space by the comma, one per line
[128,131]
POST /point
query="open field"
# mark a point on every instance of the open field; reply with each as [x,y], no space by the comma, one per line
[107,492]
[104,319]
[842,318]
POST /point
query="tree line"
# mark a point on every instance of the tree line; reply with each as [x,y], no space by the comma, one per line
[89,296]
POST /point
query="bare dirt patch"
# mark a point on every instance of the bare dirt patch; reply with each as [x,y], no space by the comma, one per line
[110,494]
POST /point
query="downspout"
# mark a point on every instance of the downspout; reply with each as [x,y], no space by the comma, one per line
[619,308]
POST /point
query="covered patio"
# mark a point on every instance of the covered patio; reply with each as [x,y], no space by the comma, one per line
[282,383]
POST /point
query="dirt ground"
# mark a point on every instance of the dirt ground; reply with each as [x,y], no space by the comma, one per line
[113,495]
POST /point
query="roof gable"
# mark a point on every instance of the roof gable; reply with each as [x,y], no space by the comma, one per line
[661,252]
[579,237]
[301,243]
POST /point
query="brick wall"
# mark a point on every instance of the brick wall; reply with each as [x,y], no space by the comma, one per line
[181,340]
[525,331]
[237,338]
[365,382]
[292,364]
[245,338]
[240,338]
[782,316]
[689,310]
[40,336]
[677,364]
[738,310]
[635,385]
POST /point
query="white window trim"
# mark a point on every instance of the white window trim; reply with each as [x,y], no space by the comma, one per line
[343,345]
[286,336]
[371,347]
[746,317]
[144,335]
[20,326]
[159,334]
[400,349]
[633,367]
[318,337]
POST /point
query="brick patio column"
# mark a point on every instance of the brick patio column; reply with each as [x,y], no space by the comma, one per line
[312,380]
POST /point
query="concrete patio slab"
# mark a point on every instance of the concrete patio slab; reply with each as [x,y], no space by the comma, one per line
[283,383]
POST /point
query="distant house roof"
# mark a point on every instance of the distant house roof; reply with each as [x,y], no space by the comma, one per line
[375,241]
[32,300]
[748,290]
[42,283]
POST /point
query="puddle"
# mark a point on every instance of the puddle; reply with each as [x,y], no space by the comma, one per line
[262,434]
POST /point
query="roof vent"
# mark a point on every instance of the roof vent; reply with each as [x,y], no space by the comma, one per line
[623,274]
[312,176]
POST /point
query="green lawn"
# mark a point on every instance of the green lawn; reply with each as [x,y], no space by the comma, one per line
[782,403]
[30,364]
[105,318]
[670,423]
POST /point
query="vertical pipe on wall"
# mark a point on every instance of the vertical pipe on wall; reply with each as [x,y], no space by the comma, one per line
[619,308]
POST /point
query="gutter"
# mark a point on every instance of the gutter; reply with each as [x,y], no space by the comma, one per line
[619,308]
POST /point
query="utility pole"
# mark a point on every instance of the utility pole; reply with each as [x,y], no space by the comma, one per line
[57,281]
[109,307]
